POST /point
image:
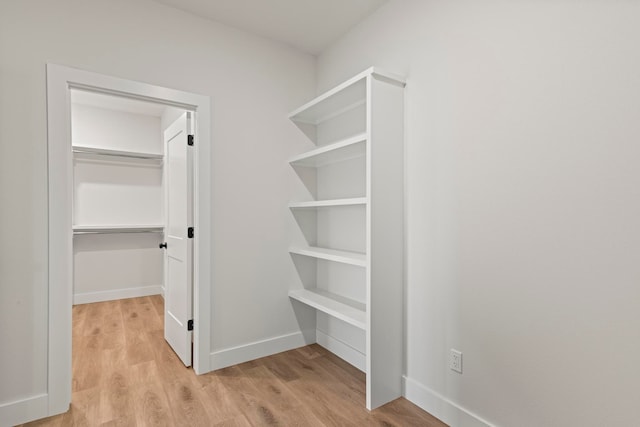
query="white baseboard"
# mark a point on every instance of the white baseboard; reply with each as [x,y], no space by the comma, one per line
[342,350]
[439,406]
[23,411]
[255,350]
[143,291]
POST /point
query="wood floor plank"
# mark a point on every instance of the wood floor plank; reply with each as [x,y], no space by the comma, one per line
[221,404]
[169,365]
[131,314]
[271,388]
[125,374]
[280,368]
[253,404]
[116,402]
[151,406]
[148,315]
[312,351]
[158,304]
[138,347]
[301,417]
[351,378]
[329,399]
[405,413]
[120,422]
[112,321]
[239,421]
[143,373]
[85,407]
[93,318]
[87,363]
[115,368]
[79,314]
[186,400]
[324,406]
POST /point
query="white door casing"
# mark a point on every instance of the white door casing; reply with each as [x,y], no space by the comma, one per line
[60,79]
[179,247]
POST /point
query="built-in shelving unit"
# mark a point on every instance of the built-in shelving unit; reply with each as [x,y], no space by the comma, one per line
[350,264]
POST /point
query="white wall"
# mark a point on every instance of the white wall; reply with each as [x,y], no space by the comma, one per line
[253,83]
[97,127]
[523,202]
[116,266]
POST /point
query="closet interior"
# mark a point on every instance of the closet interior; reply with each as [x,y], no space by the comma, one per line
[118,195]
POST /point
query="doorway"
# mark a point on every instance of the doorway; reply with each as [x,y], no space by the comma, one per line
[61,81]
[132,194]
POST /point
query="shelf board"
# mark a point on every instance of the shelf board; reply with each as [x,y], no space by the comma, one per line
[127,228]
[345,149]
[341,98]
[349,311]
[328,203]
[91,151]
[345,257]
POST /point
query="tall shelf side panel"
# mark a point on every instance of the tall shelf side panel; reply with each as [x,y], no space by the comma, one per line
[386,244]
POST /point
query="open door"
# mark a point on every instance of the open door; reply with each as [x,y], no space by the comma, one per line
[178,301]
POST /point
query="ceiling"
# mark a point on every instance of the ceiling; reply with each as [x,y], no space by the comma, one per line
[308,25]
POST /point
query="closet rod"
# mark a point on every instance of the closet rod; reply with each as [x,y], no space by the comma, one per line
[115,231]
[115,153]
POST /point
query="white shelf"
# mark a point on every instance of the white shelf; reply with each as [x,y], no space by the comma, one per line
[127,228]
[349,311]
[344,97]
[92,153]
[344,257]
[328,203]
[345,149]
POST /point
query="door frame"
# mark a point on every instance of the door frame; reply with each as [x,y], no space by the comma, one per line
[60,79]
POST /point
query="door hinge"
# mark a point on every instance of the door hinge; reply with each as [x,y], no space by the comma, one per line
[190,140]
[190,325]
[190,232]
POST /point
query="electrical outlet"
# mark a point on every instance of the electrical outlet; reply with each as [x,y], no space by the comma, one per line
[455,361]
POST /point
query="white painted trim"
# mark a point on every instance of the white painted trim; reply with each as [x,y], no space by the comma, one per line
[59,80]
[342,350]
[99,296]
[255,350]
[439,406]
[24,410]
[60,239]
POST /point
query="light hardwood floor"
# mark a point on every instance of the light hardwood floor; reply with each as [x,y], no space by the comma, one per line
[124,374]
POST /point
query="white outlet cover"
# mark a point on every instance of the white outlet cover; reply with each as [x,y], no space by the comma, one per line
[455,361]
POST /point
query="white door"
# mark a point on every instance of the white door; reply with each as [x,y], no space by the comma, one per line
[179,246]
